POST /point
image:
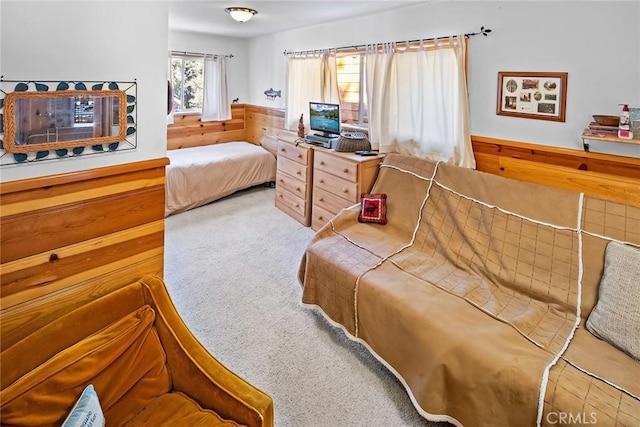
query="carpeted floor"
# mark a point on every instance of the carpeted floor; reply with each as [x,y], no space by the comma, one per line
[231,269]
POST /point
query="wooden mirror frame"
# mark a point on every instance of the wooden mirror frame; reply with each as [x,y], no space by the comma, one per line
[11,121]
[44,115]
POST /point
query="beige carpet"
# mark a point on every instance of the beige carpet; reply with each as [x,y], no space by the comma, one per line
[231,270]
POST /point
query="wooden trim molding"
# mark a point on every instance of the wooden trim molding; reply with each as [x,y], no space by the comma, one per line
[84,175]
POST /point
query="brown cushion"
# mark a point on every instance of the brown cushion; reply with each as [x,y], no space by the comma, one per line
[176,409]
[44,343]
[124,361]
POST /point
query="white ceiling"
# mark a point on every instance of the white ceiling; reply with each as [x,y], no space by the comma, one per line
[273,16]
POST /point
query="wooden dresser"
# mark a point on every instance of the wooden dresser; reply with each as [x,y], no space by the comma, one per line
[293,178]
[338,180]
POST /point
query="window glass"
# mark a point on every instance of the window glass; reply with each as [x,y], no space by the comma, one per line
[351,86]
[187,78]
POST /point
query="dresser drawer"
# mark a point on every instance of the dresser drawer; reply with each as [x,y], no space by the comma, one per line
[320,217]
[345,189]
[293,185]
[292,168]
[329,201]
[337,166]
[292,152]
[290,200]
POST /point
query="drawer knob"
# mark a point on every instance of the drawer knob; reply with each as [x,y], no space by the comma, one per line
[284,150]
[297,205]
[321,163]
[320,218]
[282,180]
[321,199]
[299,155]
[345,170]
[345,191]
[298,173]
[322,181]
[298,189]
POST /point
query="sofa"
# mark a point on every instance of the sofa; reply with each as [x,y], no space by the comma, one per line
[130,344]
[480,295]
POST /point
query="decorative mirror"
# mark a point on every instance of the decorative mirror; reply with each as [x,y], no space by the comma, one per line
[45,120]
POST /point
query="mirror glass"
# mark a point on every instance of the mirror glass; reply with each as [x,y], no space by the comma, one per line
[43,121]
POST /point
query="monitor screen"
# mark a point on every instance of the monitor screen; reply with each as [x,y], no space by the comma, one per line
[324,117]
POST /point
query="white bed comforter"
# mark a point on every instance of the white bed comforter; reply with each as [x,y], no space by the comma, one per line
[199,175]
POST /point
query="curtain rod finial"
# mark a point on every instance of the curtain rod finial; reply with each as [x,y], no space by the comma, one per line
[484,31]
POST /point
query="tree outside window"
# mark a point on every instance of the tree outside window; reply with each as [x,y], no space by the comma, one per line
[187,78]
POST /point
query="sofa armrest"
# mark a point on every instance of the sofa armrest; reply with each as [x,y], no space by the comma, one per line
[197,373]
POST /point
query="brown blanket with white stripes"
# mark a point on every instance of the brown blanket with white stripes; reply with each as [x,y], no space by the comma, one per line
[475,295]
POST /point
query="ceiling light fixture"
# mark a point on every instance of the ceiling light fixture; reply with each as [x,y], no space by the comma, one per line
[241,14]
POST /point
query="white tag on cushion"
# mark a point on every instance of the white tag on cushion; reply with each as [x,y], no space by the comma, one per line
[616,316]
[87,411]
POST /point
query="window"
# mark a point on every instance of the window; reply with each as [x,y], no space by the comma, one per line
[187,79]
[351,86]
[83,110]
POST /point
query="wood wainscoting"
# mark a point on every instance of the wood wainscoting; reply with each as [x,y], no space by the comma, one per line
[263,126]
[188,130]
[599,175]
[252,123]
[62,230]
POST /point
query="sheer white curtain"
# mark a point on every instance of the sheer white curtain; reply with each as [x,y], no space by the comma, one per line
[215,102]
[418,100]
[311,77]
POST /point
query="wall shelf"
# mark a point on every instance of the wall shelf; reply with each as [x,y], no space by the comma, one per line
[588,135]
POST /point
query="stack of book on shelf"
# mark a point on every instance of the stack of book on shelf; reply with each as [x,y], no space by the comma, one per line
[601,131]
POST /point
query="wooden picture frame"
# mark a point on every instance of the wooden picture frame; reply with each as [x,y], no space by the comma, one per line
[532,95]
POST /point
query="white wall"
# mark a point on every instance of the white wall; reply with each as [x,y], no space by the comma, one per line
[97,40]
[237,67]
[596,42]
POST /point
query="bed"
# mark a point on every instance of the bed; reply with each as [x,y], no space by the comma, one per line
[199,175]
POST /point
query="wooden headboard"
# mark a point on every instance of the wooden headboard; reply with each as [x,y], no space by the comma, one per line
[252,123]
[188,130]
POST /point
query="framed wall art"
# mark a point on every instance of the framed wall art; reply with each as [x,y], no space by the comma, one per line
[532,95]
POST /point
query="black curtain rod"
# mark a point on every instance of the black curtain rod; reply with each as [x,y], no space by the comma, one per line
[178,52]
[484,31]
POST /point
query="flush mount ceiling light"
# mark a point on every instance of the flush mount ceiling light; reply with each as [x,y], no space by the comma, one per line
[241,14]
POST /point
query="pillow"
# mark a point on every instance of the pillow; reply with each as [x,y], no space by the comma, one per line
[87,411]
[616,316]
[373,208]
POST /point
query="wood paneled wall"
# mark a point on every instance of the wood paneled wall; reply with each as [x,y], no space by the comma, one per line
[600,175]
[63,230]
[595,174]
[252,123]
[188,130]
[263,125]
